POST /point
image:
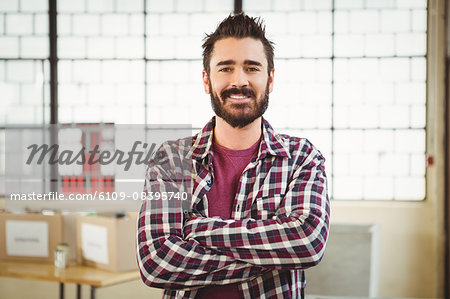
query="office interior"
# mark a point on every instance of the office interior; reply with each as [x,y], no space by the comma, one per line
[366,81]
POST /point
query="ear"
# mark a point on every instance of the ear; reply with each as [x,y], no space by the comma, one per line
[205,82]
[271,80]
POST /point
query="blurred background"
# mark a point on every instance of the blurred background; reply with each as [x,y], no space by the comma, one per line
[364,80]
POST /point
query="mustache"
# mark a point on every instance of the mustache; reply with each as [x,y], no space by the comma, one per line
[243,90]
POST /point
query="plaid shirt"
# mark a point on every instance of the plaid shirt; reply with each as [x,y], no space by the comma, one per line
[278,227]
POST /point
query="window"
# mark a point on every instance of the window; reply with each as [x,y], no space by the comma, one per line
[352,78]
[24,67]
[350,75]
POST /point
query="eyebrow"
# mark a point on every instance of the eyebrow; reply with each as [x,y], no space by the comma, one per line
[232,62]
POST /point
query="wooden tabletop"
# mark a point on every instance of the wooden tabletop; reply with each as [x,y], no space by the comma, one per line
[72,274]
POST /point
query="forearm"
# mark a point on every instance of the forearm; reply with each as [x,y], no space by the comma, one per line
[295,234]
[167,260]
[282,243]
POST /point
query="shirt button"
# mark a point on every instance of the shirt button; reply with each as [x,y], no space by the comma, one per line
[209,182]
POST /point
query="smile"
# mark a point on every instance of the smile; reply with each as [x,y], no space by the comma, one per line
[239,97]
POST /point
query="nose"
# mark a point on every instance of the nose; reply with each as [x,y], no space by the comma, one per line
[239,78]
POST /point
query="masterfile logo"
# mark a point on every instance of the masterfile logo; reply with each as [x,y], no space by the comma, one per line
[91,157]
[77,166]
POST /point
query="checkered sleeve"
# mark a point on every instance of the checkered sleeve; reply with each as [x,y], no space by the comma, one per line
[295,237]
[165,258]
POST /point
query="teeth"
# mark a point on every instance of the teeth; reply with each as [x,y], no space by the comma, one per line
[238,97]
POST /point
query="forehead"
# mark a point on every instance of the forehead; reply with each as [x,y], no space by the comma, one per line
[238,50]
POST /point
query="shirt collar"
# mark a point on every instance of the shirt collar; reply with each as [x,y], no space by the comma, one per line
[271,142]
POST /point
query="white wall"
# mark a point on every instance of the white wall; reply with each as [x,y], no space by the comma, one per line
[409,258]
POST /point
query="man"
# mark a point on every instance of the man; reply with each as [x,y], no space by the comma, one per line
[259,213]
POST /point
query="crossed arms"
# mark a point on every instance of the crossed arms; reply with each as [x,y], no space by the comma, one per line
[205,251]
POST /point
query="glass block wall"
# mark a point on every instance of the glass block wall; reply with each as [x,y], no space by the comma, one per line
[24,67]
[134,61]
[350,75]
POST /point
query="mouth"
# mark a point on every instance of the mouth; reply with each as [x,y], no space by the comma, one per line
[239,97]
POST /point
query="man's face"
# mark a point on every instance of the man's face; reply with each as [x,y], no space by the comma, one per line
[238,82]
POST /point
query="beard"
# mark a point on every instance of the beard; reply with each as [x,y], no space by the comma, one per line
[239,115]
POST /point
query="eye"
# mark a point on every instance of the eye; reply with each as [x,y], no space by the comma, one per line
[225,69]
[253,69]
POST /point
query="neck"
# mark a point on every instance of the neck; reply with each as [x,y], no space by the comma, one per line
[237,138]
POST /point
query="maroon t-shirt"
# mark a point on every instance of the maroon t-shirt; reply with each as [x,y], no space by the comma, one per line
[228,166]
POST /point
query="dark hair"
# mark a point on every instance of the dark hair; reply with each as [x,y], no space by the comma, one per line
[238,26]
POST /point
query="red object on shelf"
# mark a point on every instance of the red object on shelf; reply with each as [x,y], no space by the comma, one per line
[91,178]
[81,185]
[65,184]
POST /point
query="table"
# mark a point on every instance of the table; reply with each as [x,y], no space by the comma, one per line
[76,274]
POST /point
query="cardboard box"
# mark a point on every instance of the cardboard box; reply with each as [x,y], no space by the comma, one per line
[70,234]
[107,242]
[29,237]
